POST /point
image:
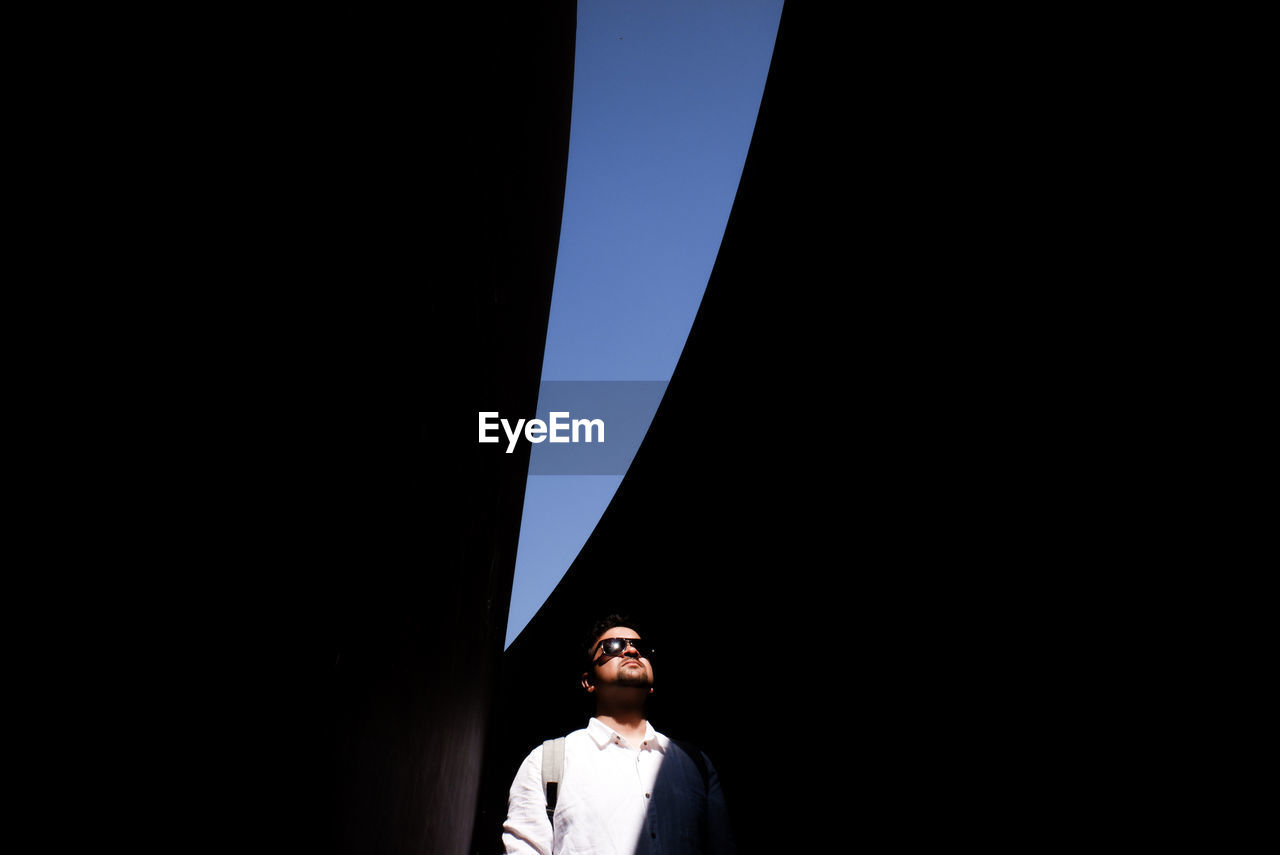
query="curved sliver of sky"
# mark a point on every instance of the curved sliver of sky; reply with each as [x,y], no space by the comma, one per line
[665,99]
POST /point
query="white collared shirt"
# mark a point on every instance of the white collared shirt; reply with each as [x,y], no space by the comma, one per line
[618,799]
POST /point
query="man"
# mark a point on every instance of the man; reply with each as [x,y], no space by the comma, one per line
[626,789]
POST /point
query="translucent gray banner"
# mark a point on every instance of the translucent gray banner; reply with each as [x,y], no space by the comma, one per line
[582,427]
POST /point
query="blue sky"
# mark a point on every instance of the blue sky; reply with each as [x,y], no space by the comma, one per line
[664,101]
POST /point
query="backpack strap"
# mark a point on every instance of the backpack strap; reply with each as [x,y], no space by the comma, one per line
[698,760]
[552,772]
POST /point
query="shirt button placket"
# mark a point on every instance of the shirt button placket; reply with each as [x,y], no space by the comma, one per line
[649,819]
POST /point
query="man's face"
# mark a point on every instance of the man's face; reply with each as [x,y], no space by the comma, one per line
[628,668]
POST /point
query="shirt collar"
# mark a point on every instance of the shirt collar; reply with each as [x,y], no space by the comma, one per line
[601,734]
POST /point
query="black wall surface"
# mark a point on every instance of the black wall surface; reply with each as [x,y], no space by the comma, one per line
[419,613]
[363,260]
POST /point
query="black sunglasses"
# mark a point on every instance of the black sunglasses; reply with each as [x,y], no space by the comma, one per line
[614,647]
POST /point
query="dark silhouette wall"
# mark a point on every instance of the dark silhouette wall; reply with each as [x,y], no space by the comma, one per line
[422,610]
[381,270]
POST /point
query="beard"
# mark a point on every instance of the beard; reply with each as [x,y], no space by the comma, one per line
[637,676]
